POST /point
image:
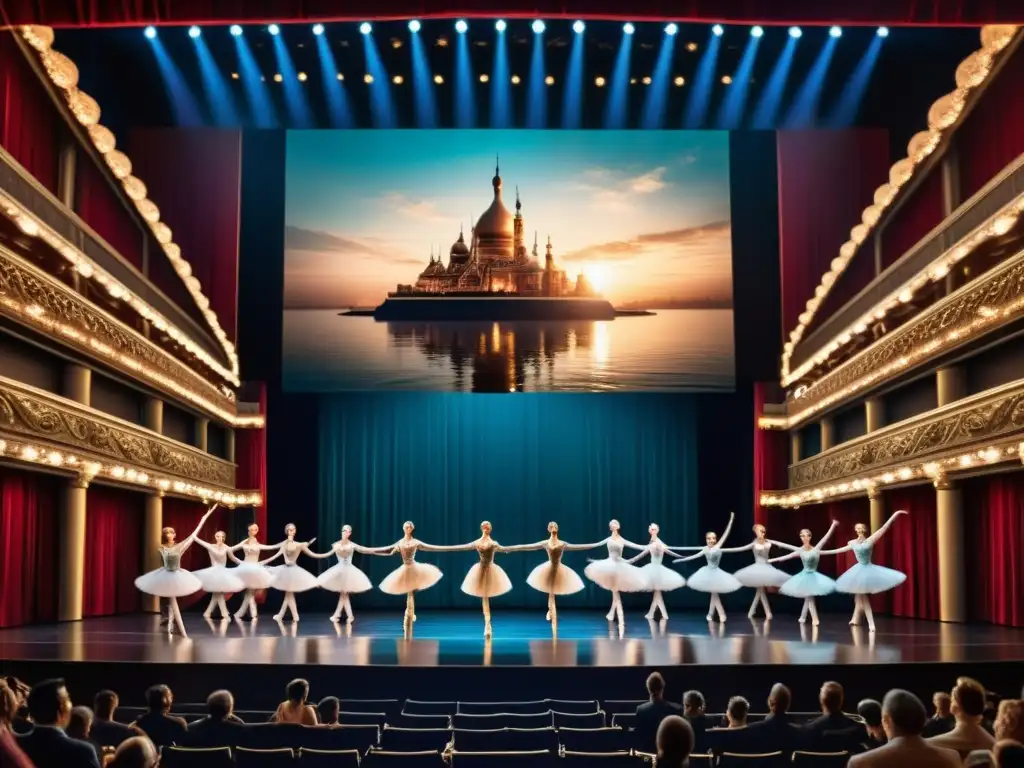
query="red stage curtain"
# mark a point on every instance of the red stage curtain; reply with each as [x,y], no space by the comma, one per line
[826,179]
[113,551]
[200,205]
[917,216]
[771,455]
[99,205]
[785,524]
[891,12]
[183,516]
[911,546]
[28,547]
[28,119]
[994,539]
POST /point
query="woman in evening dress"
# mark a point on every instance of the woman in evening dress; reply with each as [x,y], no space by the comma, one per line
[343,577]
[658,578]
[809,583]
[615,574]
[410,577]
[761,574]
[251,571]
[864,578]
[218,579]
[711,578]
[291,577]
[171,580]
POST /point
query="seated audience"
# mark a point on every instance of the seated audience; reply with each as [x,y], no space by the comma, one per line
[968,708]
[674,742]
[778,730]
[136,752]
[10,753]
[329,709]
[1008,754]
[162,728]
[19,722]
[942,721]
[220,727]
[834,729]
[79,727]
[736,712]
[295,709]
[650,714]
[1009,722]
[693,711]
[106,731]
[871,712]
[49,707]
[903,718]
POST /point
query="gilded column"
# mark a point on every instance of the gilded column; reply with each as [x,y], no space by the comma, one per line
[950,524]
[828,434]
[72,550]
[795,446]
[202,427]
[877,508]
[874,413]
[78,383]
[153,523]
[229,445]
[950,385]
[154,415]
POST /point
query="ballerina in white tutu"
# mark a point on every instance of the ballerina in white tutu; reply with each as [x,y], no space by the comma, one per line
[343,577]
[252,571]
[290,577]
[615,574]
[711,578]
[761,574]
[864,578]
[808,584]
[218,579]
[657,577]
[171,580]
[410,577]
[553,577]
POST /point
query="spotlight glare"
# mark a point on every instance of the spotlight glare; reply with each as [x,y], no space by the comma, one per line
[236,30]
[835,32]
[438,80]
[397,80]
[757,31]
[365,28]
[538,27]
[671,29]
[318,29]
[234,75]
[302,77]
[278,78]
[882,32]
[691,47]
[795,32]
[680,81]
[646,80]
[599,82]
[461,26]
[367,78]
[726,80]
[414,26]
[718,30]
[340,76]
[516,80]
[149,32]
[578,27]
[273,29]
[549,80]
[500,25]
[485,78]
[194,32]
[628,28]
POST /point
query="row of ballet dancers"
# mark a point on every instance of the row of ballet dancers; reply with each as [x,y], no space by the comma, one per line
[486,579]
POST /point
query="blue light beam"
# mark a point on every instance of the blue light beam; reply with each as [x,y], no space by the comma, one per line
[338,106]
[699,99]
[653,115]
[617,106]
[804,109]
[425,100]
[845,110]
[299,113]
[572,96]
[260,105]
[464,106]
[218,95]
[183,102]
[382,103]
[767,110]
[501,89]
[730,113]
[537,95]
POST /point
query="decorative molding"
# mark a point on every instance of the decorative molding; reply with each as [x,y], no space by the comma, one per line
[30,414]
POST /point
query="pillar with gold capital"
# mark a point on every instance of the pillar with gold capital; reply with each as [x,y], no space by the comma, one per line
[795,446]
[950,534]
[72,549]
[152,525]
[877,508]
[874,413]
[950,385]
[201,431]
[828,433]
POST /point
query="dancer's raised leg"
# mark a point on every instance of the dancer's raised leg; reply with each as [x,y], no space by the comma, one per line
[857,608]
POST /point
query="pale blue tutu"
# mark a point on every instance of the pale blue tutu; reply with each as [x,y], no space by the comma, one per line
[661,579]
[808,584]
[711,578]
[761,575]
[869,579]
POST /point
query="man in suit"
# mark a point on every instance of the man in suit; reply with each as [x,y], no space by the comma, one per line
[49,707]
[106,731]
[968,708]
[693,711]
[162,728]
[220,728]
[943,721]
[650,715]
[833,730]
[775,732]
[903,718]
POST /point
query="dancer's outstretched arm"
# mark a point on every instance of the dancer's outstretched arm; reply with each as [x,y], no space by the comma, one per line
[204,544]
[826,537]
[700,554]
[372,550]
[631,545]
[783,545]
[643,553]
[744,548]
[452,548]
[272,558]
[187,542]
[783,558]
[583,547]
[320,555]
[523,547]
[881,531]
[725,534]
[304,548]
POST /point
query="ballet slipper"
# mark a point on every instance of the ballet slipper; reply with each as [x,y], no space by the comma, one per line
[611,615]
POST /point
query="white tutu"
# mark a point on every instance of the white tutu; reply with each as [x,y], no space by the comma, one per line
[556,580]
[658,578]
[218,578]
[761,575]
[808,584]
[292,578]
[254,575]
[713,579]
[486,582]
[616,575]
[344,577]
[164,583]
[410,578]
[869,579]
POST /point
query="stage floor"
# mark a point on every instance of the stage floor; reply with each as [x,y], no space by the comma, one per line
[455,638]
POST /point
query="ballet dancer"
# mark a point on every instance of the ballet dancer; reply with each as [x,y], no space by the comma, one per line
[410,577]
[343,577]
[761,574]
[218,579]
[657,577]
[808,584]
[171,580]
[711,578]
[864,578]
[251,571]
[290,577]
[553,577]
[615,574]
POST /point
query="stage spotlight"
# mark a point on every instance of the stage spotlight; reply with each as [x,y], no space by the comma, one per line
[835,32]
[500,25]
[340,76]
[461,26]
[538,27]
[549,80]
[691,47]
[671,29]
[236,30]
[414,26]
[599,82]
[438,80]
[194,32]
[718,30]
[397,80]
[278,78]
[318,29]
[795,32]
[578,27]
[632,81]
[757,31]
[516,80]
[365,28]
[882,32]
[680,81]
[441,42]
[628,28]
[726,80]
[149,32]
[303,77]
[484,78]
[367,78]
[234,75]
[273,29]
[646,80]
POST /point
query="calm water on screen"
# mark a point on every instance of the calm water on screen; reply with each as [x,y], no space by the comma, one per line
[689,350]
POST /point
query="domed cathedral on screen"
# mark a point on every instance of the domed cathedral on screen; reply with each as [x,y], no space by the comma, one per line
[496,261]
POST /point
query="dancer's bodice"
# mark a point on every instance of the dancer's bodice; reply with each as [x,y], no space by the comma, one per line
[171,557]
[555,552]
[713,556]
[810,558]
[407,549]
[615,548]
[862,551]
[486,549]
[218,554]
[251,551]
[761,551]
[292,550]
[657,550]
[344,550]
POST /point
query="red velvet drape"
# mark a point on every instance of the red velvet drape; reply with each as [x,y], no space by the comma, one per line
[994,539]
[771,455]
[911,546]
[200,205]
[28,119]
[99,205]
[28,547]
[918,215]
[183,516]
[113,551]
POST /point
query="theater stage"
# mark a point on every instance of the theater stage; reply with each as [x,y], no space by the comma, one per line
[587,659]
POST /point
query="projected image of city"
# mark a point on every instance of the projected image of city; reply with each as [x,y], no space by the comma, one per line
[508,261]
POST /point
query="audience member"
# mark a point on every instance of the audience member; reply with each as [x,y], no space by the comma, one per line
[79,727]
[136,752]
[943,720]
[674,742]
[871,712]
[1009,723]
[968,708]
[162,728]
[650,714]
[834,729]
[10,753]
[736,712]
[693,711]
[329,709]
[903,717]
[1008,753]
[49,707]
[106,731]
[777,731]
[220,727]
[19,721]
[294,709]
